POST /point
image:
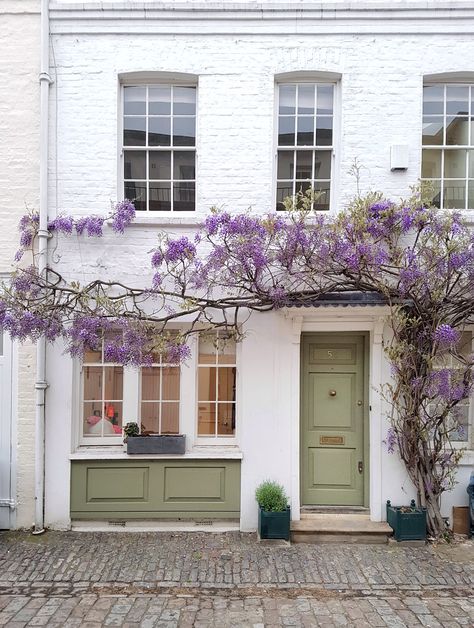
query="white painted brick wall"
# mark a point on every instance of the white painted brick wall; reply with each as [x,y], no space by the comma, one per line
[19,172]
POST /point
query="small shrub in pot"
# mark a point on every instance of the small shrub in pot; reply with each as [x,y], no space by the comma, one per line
[273,511]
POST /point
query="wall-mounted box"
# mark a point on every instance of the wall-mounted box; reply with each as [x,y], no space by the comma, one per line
[399,157]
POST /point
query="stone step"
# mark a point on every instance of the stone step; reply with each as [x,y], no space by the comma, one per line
[339,528]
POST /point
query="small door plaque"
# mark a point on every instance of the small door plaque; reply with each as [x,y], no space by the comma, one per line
[331,440]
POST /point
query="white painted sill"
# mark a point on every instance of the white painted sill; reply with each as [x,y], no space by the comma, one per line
[157,220]
[119,453]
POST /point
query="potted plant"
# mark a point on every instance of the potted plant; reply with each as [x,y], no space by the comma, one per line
[273,511]
[407,522]
[145,443]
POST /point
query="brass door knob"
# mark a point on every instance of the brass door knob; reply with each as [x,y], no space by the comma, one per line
[332,393]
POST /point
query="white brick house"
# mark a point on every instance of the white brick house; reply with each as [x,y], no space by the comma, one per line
[193,104]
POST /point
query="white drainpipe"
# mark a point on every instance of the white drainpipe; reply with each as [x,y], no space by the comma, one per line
[40,384]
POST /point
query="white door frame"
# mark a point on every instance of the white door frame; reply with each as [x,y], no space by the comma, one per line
[341,319]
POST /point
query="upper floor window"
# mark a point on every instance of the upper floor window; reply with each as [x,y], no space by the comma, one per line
[448,144]
[159,146]
[305,141]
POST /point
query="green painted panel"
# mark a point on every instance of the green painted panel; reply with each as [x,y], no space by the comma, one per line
[332,394]
[333,419]
[117,483]
[195,484]
[131,489]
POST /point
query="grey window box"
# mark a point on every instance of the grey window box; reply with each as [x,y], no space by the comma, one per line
[159,444]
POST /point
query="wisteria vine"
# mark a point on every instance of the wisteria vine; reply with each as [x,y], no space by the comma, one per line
[418,259]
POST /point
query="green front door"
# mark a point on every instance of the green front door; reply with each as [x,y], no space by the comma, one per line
[332,419]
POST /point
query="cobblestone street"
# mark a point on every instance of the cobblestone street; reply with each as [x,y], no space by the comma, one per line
[205,579]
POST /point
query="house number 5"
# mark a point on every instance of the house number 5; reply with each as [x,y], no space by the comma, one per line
[330,355]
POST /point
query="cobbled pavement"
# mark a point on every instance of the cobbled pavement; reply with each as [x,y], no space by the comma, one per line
[228,580]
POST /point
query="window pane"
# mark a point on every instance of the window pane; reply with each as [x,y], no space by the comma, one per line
[184,165]
[113,380]
[306,99]
[286,131]
[159,100]
[159,131]
[226,419]
[287,99]
[454,194]
[113,415]
[325,95]
[285,164]
[170,418]
[457,130]
[134,100]
[324,131]
[455,163]
[461,424]
[284,189]
[184,197]
[457,100]
[207,383]
[433,99]
[470,200]
[184,131]
[471,164]
[170,385]
[226,388]
[432,131]
[92,383]
[160,196]
[94,424]
[431,164]
[134,131]
[160,165]
[226,351]
[92,356]
[150,421]
[206,419]
[304,164]
[207,350]
[150,383]
[134,164]
[322,164]
[136,192]
[305,136]
[302,186]
[322,189]
[435,193]
[184,100]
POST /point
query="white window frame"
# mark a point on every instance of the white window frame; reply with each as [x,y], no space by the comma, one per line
[151,82]
[159,366]
[217,440]
[442,148]
[314,78]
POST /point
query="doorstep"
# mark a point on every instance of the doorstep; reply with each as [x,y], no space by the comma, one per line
[329,527]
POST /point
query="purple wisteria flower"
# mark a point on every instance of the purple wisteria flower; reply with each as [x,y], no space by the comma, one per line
[61,224]
[391,440]
[445,335]
[92,225]
[123,216]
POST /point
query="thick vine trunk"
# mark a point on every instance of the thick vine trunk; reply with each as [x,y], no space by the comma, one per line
[435,523]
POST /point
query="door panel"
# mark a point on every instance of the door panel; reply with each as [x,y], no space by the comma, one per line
[332,420]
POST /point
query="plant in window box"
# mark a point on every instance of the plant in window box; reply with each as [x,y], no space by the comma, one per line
[273,511]
[407,522]
[145,443]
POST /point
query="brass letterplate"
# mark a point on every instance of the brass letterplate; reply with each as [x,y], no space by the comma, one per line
[331,440]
